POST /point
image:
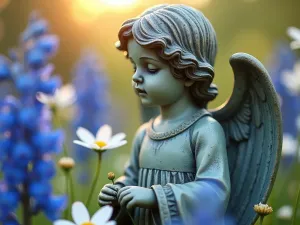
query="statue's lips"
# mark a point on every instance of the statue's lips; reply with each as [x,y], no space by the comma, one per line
[140,91]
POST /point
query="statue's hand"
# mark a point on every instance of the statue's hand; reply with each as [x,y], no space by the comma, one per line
[108,195]
[134,196]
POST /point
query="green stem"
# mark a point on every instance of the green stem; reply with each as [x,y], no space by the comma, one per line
[94,181]
[65,150]
[71,188]
[66,214]
[69,191]
[261,220]
[57,124]
[132,220]
[26,205]
[296,207]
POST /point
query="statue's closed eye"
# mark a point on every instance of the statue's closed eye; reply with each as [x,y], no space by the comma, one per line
[152,68]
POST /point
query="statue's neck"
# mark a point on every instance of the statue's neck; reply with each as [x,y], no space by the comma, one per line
[179,110]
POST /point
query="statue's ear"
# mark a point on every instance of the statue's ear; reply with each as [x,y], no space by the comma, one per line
[188,83]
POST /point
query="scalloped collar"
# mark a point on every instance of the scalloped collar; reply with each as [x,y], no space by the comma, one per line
[179,129]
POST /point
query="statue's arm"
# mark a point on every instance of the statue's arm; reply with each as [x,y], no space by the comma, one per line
[211,159]
[130,177]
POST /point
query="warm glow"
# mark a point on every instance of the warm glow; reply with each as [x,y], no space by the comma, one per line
[3,4]
[89,10]
[90,6]
[119,3]
[197,3]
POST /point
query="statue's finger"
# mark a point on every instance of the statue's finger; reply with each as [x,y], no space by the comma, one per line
[123,194]
[109,191]
[112,186]
[105,197]
[103,203]
[122,190]
[125,200]
[130,205]
[116,188]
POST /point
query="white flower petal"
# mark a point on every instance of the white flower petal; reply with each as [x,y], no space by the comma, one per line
[82,144]
[102,215]
[67,90]
[289,145]
[94,146]
[65,102]
[56,92]
[111,223]
[85,135]
[63,222]
[117,138]
[116,145]
[295,45]
[80,213]
[65,96]
[104,133]
[43,98]
[285,212]
[294,33]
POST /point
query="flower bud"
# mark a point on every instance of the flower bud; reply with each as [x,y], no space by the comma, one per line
[111,176]
[262,209]
[66,163]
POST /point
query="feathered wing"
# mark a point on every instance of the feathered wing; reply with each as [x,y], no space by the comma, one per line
[252,123]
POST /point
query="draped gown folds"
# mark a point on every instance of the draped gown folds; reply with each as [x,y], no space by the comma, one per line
[186,167]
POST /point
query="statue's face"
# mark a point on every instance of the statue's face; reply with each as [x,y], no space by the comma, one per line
[152,80]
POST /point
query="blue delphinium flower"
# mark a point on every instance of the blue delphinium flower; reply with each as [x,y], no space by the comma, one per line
[283,63]
[5,75]
[4,68]
[27,141]
[91,85]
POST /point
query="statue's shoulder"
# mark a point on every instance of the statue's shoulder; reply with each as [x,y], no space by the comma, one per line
[207,126]
[141,131]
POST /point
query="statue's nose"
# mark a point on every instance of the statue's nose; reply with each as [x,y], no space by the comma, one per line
[137,78]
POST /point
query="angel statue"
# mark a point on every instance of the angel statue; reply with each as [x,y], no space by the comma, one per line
[189,160]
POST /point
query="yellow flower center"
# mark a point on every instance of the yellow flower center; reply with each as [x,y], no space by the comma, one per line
[87,223]
[100,143]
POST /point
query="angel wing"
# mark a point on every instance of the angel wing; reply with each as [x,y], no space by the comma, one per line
[251,120]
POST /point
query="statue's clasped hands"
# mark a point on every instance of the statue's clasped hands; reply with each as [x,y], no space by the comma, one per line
[128,197]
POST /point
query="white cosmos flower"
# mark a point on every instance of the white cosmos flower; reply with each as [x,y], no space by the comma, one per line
[294,33]
[81,216]
[291,79]
[63,97]
[103,140]
[285,212]
[289,145]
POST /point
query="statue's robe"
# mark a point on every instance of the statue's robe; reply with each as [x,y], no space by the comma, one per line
[186,168]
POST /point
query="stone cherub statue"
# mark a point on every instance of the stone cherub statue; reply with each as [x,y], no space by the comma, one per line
[188,156]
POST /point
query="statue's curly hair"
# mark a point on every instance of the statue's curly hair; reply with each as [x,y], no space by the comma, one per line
[183,37]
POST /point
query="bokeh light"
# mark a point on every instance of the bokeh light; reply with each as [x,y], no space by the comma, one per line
[196,3]
[86,10]
[89,10]
[3,4]
[118,3]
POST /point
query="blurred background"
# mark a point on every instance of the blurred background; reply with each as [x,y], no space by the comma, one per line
[87,30]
